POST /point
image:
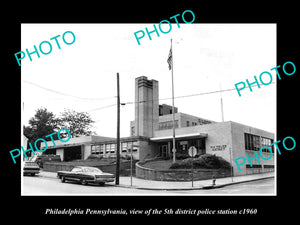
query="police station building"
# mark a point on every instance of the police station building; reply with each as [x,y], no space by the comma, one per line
[151,136]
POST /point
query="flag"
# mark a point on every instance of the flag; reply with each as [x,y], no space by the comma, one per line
[170,59]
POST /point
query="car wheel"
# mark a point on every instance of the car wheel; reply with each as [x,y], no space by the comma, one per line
[84,182]
[62,178]
[101,183]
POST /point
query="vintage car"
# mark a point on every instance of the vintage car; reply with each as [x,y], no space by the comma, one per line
[85,174]
[30,168]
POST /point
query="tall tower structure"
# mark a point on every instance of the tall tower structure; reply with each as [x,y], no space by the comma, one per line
[146,106]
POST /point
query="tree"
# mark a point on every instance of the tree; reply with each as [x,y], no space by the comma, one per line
[41,124]
[44,123]
[78,123]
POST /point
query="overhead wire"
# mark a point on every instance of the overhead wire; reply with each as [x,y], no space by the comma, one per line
[131,102]
[190,95]
[73,96]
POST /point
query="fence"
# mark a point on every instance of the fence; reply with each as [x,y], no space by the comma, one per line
[179,174]
[110,168]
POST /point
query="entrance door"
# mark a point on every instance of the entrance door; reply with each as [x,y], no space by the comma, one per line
[163,150]
[183,146]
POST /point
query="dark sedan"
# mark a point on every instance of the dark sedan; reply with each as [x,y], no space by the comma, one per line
[85,175]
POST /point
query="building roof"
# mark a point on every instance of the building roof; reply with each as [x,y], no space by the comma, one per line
[76,141]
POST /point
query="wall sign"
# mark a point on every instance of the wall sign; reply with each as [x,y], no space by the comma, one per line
[218,147]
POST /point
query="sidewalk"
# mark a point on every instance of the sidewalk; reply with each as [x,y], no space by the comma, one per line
[187,185]
[173,185]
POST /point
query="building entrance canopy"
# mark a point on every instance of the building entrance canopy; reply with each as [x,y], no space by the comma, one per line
[179,136]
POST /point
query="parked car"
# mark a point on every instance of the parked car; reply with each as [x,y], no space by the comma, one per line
[41,159]
[85,175]
[30,168]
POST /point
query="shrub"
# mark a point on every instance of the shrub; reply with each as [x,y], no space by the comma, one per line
[182,164]
[205,161]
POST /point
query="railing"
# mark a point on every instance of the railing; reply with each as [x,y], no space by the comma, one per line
[178,174]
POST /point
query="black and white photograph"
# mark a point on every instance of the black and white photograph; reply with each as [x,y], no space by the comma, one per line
[132,112]
[184,127]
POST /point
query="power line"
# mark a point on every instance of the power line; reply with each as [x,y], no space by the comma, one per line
[102,107]
[73,96]
[133,102]
[191,95]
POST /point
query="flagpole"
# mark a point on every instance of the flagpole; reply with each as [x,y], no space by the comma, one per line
[173,113]
[222,113]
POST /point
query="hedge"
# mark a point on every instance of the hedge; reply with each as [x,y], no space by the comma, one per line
[206,161]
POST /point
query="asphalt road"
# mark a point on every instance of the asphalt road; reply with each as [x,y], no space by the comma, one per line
[37,185]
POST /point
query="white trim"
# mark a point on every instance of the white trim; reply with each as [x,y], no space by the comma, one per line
[178,136]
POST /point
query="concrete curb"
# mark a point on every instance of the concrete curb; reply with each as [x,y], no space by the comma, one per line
[52,175]
[192,188]
[233,183]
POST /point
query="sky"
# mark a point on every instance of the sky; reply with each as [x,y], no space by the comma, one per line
[207,58]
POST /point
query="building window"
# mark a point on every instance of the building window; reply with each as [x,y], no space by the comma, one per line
[135,146]
[253,166]
[132,131]
[107,148]
[127,146]
[124,147]
[187,123]
[167,125]
[112,148]
[102,149]
[95,149]
[254,142]
[267,142]
[201,121]
[269,166]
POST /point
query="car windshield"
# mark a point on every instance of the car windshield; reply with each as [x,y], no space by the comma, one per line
[76,169]
[92,170]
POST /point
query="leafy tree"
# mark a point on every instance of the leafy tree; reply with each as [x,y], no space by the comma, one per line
[44,123]
[78,123]
[41,124]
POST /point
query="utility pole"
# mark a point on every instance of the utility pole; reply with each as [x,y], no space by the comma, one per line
[118,132]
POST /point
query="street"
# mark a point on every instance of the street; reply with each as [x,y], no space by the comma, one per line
[37,185]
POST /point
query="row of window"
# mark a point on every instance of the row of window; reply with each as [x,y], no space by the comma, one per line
[125,147]
[193,123]
[200,122]
[259,166]
[167,125]
[254,142]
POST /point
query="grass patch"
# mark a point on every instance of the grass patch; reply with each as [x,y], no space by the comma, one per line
[158,164]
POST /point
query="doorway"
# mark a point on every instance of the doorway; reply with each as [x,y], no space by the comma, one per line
[163,149]
[72,153]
